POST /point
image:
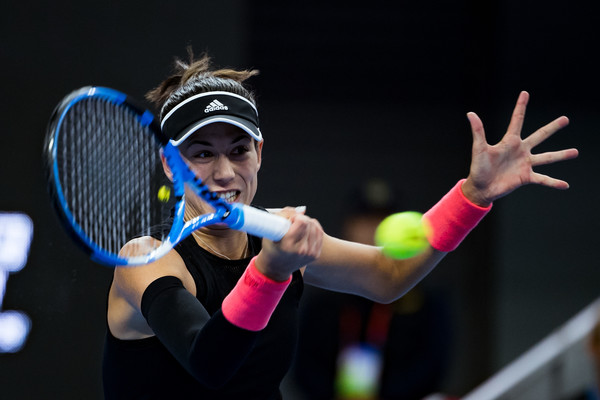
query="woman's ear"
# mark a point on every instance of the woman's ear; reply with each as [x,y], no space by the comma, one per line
[165,165]
[259,147]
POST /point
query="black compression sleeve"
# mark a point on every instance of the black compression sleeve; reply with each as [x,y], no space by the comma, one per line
[210,348]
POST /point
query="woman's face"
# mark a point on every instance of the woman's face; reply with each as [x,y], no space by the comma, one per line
[226,159]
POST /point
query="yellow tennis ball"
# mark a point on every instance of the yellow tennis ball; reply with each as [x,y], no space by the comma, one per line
[164,193]
[403,235]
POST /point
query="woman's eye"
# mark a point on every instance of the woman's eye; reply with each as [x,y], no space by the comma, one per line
[240,150]
[202,154]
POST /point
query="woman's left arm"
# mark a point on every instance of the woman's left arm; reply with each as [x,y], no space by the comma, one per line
[496,170]
[365,271]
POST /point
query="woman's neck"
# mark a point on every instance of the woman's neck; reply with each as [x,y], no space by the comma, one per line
[224,243]
[219,240]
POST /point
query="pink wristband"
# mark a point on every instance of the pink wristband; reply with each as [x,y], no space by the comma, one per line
[253,299]
[452,218]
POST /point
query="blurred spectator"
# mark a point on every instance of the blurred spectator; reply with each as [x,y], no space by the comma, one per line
[357,349]
[593,393]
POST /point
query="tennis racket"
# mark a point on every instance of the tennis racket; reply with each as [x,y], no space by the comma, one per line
[107,183]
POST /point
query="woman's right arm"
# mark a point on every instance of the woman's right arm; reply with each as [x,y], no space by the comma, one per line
[159,299]
[129,284]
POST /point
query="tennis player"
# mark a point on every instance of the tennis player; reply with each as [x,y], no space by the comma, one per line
[216,318]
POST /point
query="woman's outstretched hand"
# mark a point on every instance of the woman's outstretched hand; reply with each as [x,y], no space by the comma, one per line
[499,169]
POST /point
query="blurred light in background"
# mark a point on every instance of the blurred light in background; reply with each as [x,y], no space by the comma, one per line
[16,231]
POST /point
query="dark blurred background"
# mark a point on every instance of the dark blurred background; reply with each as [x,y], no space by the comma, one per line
[347,92]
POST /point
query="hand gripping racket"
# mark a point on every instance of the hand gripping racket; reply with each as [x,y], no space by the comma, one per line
[107,183]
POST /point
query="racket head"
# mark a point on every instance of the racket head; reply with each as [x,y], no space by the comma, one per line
[106,180]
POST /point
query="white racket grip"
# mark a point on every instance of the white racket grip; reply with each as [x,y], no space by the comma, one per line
[262,223]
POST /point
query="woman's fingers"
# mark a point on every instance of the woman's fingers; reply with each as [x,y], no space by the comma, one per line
[546,131]
[553,156]
[516,122]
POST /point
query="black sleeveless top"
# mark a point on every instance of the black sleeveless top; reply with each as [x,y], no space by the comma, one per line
[144,369]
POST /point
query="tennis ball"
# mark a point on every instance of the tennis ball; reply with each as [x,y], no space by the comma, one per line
[164,193]
[403,235]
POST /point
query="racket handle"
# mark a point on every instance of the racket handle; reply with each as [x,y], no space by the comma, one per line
[257,222]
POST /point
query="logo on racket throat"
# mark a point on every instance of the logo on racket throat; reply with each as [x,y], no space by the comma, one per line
[215,105]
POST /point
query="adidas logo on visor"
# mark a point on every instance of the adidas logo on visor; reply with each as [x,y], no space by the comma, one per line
[215,105]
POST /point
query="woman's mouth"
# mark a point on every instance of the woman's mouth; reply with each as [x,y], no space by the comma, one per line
[229,196]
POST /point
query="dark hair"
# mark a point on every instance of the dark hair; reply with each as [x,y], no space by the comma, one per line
[197,76]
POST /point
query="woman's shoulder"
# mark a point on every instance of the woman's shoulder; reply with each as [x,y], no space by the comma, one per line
[132,281]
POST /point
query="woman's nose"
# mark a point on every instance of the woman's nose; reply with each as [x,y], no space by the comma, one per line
[223,169]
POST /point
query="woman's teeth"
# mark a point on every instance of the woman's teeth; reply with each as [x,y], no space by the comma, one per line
[229,196]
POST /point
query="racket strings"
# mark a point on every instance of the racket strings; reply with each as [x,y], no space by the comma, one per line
[109,169]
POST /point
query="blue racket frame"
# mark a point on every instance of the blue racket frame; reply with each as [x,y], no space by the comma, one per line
[235,215]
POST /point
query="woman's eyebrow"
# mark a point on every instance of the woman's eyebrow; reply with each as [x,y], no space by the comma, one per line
[240,138]
[198,141]
[204,142]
